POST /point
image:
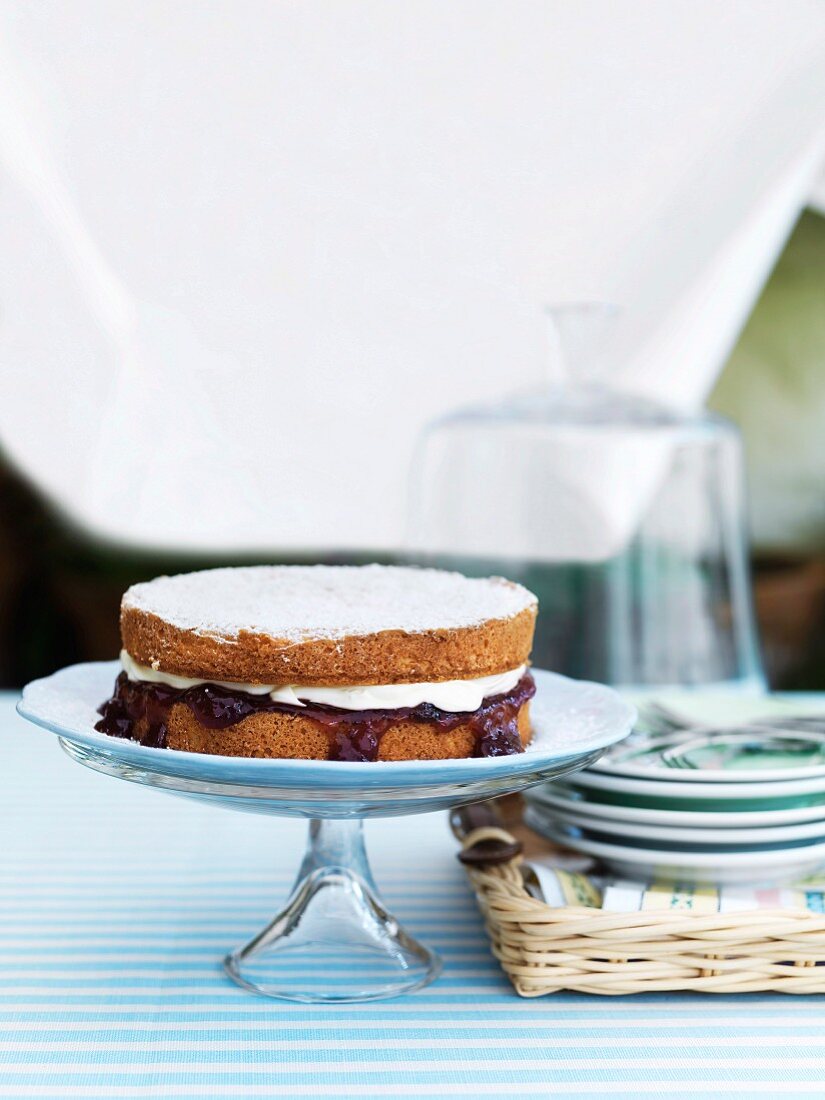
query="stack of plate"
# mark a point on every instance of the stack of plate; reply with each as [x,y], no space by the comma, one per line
[700,805]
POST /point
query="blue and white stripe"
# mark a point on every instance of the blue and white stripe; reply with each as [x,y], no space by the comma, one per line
[118,903]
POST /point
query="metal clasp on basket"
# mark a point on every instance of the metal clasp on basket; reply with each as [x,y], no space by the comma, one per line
[484,843]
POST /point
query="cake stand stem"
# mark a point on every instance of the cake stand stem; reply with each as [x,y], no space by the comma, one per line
[334,941]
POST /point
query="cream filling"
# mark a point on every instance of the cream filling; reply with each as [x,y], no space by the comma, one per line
[454,695]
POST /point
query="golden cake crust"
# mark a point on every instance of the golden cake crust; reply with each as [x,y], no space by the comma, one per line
[492,645]
[289,736]
[391,657]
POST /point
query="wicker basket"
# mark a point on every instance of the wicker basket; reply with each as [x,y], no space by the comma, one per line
[544,949]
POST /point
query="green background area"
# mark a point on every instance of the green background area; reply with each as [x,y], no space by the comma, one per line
[773,387]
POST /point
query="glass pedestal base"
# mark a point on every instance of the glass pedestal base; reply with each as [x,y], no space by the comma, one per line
[334,941]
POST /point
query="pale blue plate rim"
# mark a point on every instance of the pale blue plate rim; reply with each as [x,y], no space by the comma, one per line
[571,718]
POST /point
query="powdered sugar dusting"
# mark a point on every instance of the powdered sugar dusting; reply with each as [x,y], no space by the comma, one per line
[302,603]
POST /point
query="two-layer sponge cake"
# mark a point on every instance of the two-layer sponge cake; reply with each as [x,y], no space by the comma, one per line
[325,662]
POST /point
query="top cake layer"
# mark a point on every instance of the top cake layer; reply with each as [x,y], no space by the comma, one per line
[328,625]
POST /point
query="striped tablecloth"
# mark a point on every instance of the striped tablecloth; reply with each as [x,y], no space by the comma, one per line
[118,901]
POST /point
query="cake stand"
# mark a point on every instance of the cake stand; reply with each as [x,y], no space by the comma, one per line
[334,920]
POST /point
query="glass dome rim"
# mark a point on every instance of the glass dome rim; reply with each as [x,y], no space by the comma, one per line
[635,413]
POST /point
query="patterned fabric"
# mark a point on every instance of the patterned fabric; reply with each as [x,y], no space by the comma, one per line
[117,902]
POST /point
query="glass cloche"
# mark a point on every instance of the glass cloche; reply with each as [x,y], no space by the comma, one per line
[625,517]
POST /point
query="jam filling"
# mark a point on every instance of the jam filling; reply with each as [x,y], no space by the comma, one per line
[353,734]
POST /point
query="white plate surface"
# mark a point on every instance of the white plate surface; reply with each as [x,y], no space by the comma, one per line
[581,819]
[718,791]
[785,865]
[559,796]
[621,762]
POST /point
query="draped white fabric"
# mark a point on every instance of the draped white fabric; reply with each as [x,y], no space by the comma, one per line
[250,248]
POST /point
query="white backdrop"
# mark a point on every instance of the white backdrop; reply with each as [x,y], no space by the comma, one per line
[249,248]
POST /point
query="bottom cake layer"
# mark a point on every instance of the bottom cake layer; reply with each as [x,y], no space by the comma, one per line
[214,720]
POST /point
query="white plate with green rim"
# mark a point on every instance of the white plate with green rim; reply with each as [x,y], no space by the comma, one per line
[755,754]
[620,790]
[560,796]
[812,830]
[720,791]
[719,755]
[772,866]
